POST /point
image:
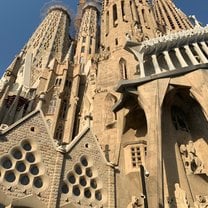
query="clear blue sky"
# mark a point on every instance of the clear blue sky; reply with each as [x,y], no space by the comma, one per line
[19,19]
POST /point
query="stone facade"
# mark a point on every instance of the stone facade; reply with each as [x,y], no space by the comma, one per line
[115,118]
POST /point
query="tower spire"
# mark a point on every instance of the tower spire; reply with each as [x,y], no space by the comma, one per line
[88,32]
[169,15]
[79,14]
[49,42]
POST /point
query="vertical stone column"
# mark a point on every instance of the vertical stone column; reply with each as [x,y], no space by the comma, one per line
[156,64]
[50,74]
[149,97]
[134,11]
[142,152]
[87,49]
[93,46]
[55,182]
[190,55]
[200,53]
[107,22]
[70,118]
[168,60]
[141,65]
[111,188]
[2,102]
[205,47]
[180,58]
[111,22]
[119,13]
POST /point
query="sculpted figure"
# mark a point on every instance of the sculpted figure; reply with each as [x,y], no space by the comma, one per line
[181,197]
[192,162]
[137,202]
[109,117]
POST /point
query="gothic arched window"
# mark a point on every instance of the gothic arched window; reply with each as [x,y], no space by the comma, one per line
[178,118]
[59,133]
[115,15]
[122,67]
[109,115]
[63,109]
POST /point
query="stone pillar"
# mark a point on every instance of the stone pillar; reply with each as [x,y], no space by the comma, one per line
[205,47]
[156,64]
[73,101]
[143,156]
[107,21]
[111,188]
[2,102]
[50,74]
[134,11]
[119,13]
[93,46]
[55,182]
[168,60]
[141,65]
[180,58]
[200,53]
[190,55]
[149,97]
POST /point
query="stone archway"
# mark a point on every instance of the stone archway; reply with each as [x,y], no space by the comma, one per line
[184,144]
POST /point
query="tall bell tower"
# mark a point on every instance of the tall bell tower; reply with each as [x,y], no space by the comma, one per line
[41,69]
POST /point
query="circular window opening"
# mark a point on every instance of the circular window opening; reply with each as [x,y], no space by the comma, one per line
[84,161]
[7,163]
[24,180]
[30,157]
[34,170]
[87,193]
[20,166]
[98,195]
[65,189]
[38,183]
[71,178]
[83,181]
[76,191]
[89,172]
[17,154]
[27,146]
[78,169]
[93,183]
[10,177]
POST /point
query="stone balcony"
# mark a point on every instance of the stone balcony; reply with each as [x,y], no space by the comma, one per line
[170,52]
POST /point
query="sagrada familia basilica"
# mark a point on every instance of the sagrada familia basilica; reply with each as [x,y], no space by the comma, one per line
[116,117]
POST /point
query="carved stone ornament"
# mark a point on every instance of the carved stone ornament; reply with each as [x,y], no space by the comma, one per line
[201,202]
[104,53]
[192,162]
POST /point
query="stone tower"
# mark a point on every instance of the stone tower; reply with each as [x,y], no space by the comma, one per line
[41,73]
[169,15]
[87,42]
[115,118]
[78,20]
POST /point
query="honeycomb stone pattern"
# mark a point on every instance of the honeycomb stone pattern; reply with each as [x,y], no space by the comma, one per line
[83,182]
[22,167]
